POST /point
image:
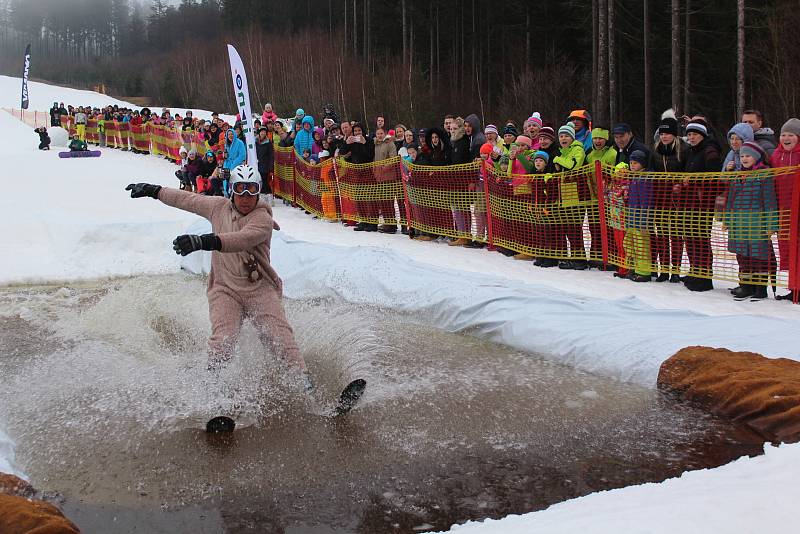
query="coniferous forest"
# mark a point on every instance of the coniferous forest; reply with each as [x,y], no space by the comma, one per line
[416,60]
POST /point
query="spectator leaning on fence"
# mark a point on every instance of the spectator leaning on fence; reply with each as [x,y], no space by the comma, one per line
[697,200]
[751,219]
[574,190]
[668,156]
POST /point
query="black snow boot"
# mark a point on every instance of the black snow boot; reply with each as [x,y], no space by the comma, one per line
[698,284]
[743,292]
[759,293]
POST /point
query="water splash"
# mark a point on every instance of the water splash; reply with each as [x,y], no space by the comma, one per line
[134,351]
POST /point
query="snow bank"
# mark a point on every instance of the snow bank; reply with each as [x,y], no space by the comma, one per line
[748,495]
[71,219]
[624,338]
[59,137]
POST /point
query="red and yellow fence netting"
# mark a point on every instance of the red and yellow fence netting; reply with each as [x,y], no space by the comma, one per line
[735,226]
[447,201]
[315,187]
[371,192]
[552,215]
[283,173]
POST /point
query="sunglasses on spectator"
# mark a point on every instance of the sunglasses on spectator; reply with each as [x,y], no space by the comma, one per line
[247,188]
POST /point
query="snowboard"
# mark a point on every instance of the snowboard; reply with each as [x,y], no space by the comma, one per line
[346,402]
[80,154]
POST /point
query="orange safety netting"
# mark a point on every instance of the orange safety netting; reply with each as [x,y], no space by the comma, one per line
[68,124]
[125,141]
[34,119]
[731,226]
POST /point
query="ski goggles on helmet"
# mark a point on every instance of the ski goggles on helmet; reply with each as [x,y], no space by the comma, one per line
[246,188]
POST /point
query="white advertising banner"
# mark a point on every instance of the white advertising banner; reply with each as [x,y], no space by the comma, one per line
[243,104]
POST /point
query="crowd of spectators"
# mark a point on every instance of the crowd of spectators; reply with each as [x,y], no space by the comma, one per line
[680,145]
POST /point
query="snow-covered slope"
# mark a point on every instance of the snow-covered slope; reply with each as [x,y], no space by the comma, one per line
[69,219]
[750,495]
[43,95]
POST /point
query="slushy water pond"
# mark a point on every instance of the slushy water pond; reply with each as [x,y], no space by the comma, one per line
[104,390]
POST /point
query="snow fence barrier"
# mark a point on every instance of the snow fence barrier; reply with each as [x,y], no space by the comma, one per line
[733,226]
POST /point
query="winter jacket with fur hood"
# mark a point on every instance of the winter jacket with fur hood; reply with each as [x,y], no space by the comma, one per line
[459,143]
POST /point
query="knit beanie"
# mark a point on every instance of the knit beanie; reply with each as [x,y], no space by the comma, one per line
[568,129]
[486,148]
[510,129]
[668,125]
[491,128]
[638,156]
[541,154]
[547,132]
[791,126]
[524,140]
[697,128]
[600,133]
[535,118]
[751,148]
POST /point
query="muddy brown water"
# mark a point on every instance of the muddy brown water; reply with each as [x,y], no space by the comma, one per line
[104,391]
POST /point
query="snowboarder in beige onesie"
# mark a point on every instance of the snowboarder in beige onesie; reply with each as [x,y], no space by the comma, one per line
[242,283]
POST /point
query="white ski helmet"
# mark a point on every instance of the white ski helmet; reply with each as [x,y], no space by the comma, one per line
[244,174]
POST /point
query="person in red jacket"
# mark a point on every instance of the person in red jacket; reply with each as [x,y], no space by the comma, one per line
[787,154]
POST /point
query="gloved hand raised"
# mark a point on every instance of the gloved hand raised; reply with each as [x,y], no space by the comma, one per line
[186,244]
[143,190]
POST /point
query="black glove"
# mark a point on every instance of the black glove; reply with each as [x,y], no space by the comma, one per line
[143,190]
[186,244]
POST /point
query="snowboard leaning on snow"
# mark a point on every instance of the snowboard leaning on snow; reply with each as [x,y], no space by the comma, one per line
[347,400]
[80,154]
